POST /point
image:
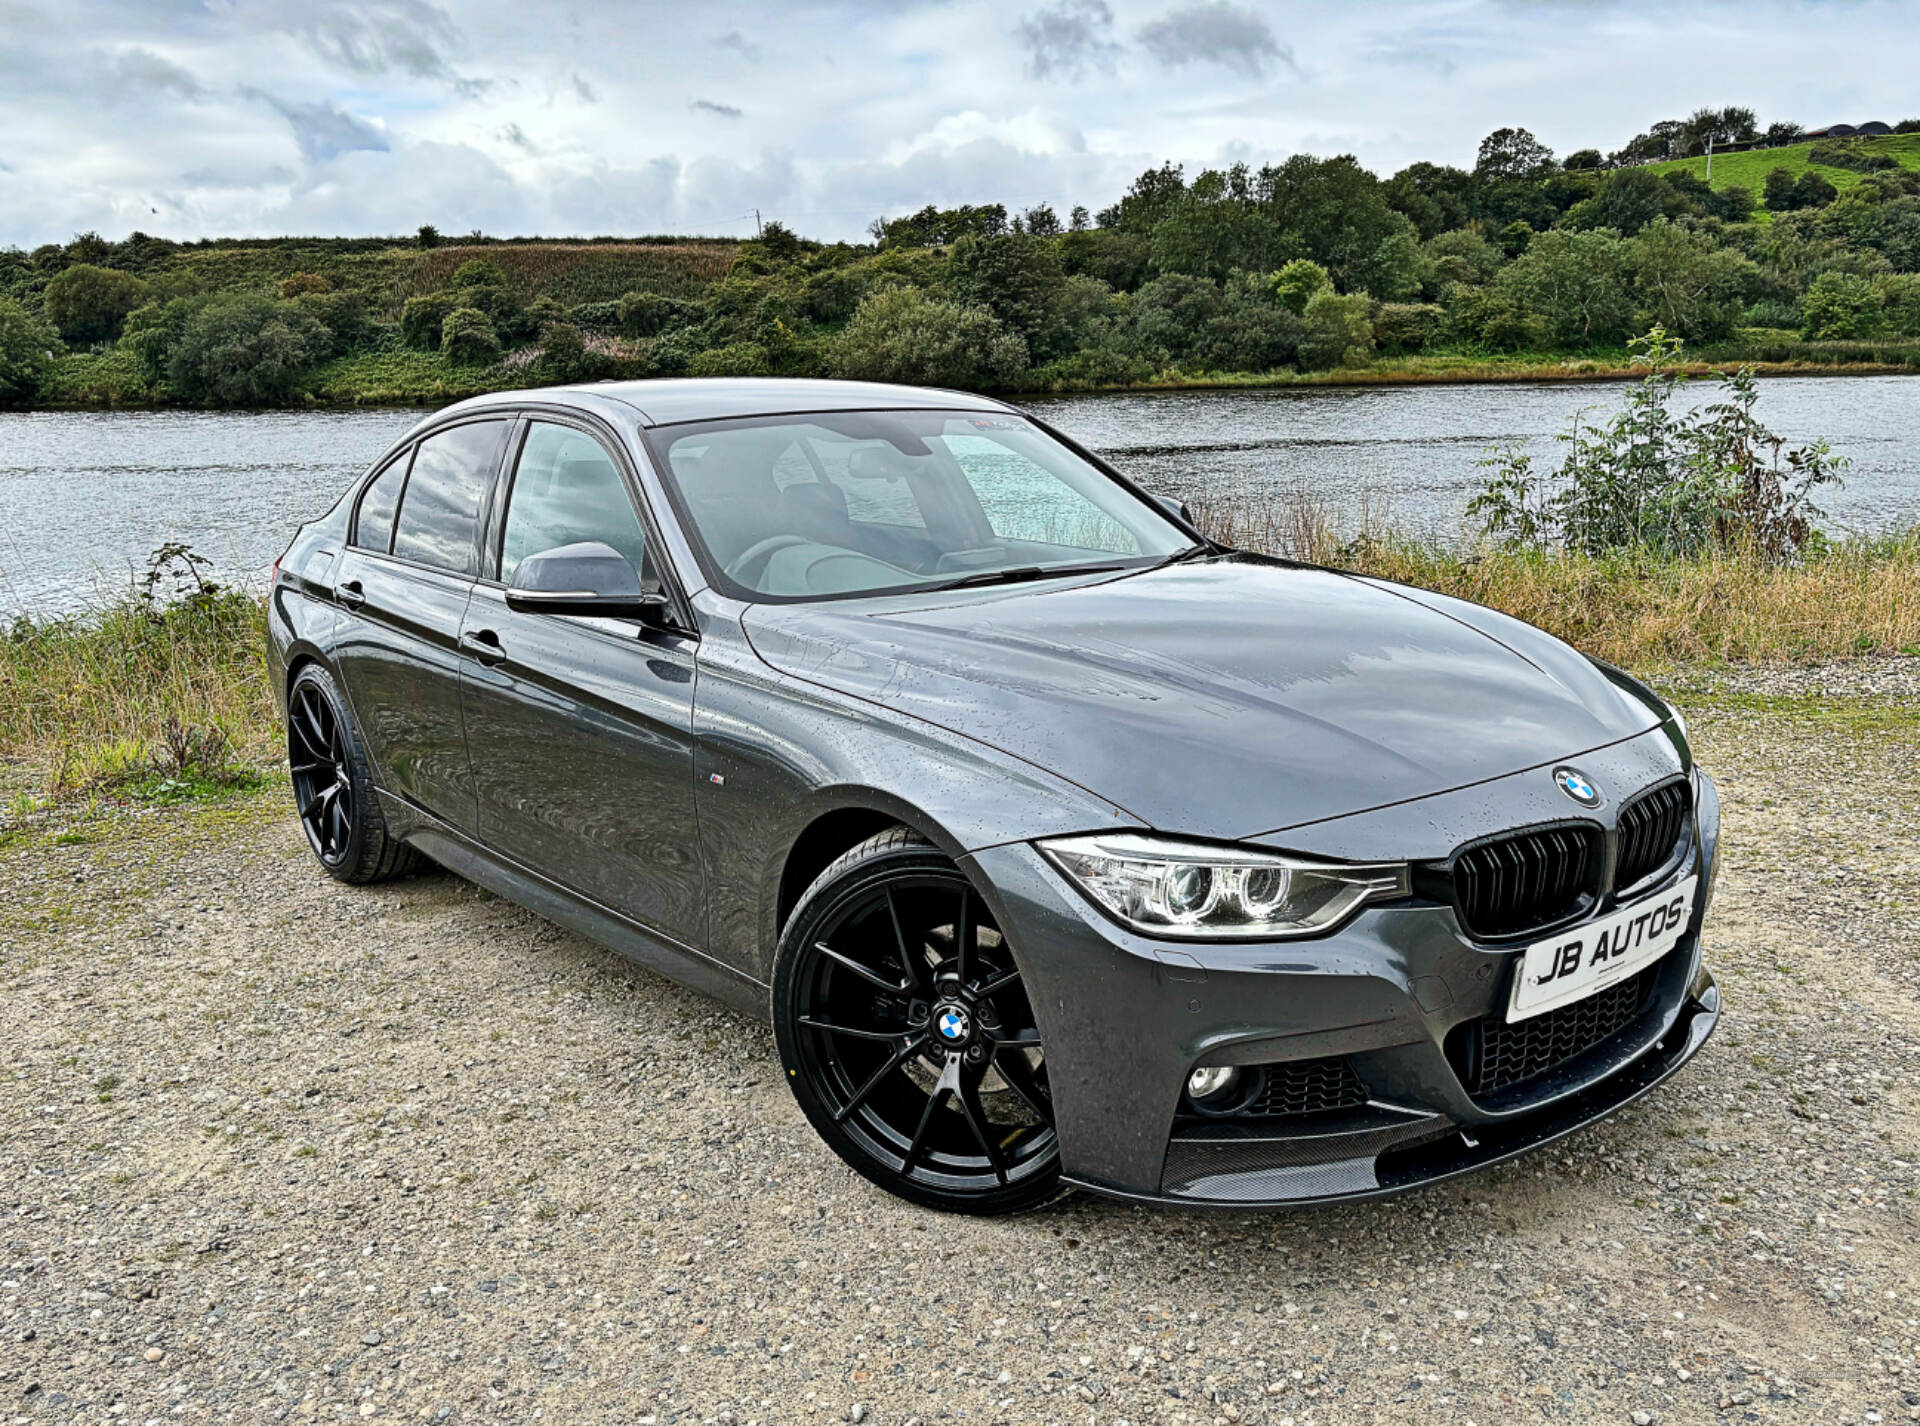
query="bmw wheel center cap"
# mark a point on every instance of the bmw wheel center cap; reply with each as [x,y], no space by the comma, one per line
[953,1024]
[1576,785]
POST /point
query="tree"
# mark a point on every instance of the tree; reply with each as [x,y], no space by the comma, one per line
[1333,211]
[1685,284]
[904,334]
[1214,227]
[1042,222]
[1078,220]
[1337,331]
[1252,331]
[1509,155]
[1778,193]
[1516,237]
[1298,283]
[421,319]
[1433,197]
[1572,287]
[1170,313]
[1839,305]
[90,304]
[1018,279]
[27,345]
[1812,190]
[243,349]
[1581,160]
[1781,132]
[479,272]
[427,237]
[1630,199]
[467,338]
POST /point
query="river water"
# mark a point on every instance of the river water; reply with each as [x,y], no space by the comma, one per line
[85,496]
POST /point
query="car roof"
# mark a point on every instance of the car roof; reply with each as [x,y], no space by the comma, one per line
[667,401]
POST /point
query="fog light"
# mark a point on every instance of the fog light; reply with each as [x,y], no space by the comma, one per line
[1211,1080]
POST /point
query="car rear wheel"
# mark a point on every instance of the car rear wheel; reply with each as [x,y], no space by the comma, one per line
[907,1035]
[333,785]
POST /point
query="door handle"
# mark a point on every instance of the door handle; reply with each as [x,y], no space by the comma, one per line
[351,594]
[483,645]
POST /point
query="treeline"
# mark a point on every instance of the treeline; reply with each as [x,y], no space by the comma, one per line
[1312,264]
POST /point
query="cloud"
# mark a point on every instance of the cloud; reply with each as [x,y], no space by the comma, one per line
[582,90]
[739,44]
[142,69]
[325,131]
[1217,33]
[1069,38]
[378,36]
[707,106]
[517,136]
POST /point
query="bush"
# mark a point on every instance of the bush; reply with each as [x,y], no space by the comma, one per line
[1402,327]
[648,314]
[1812,190]
[467,338]
[302,283]
[243,349]
[1772,312]
[1338,333]
[343,314]
[90,304]
[1850,156]
[26,351]
[734,359]
[589,316]
[1169,314]
[1297,284]
[422,318]
[479,272]
[903,334]
[1839,305]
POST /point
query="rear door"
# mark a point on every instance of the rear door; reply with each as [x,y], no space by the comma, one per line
[405,579]
[581,729]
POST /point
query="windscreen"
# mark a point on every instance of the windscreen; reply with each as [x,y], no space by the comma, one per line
[856,502]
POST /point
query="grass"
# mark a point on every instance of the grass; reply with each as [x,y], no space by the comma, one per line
[132,704]
[1749,169]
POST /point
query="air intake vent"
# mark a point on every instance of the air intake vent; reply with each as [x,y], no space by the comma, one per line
[1308,1087]
[1651,827]
[1490,1055]
[1526,880]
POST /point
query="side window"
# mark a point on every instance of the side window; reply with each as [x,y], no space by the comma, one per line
[566,489]
[451,472]
[373,527]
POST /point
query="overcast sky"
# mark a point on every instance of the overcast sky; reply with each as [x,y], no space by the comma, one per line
[190,118]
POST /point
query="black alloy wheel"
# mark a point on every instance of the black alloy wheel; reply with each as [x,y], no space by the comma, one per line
[332,785]
[907,1035]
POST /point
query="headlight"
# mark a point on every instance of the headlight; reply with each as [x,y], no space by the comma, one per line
[1201,892]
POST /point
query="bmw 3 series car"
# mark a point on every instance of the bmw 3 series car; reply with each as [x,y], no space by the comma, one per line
[1061,844]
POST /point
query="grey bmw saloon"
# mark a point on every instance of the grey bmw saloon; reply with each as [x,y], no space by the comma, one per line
[1061,845]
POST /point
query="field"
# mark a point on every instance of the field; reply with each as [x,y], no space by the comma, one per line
[1749,169]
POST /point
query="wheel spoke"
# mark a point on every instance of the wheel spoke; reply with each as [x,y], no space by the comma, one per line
[1020,1078]
[864,972]
[830,1028]
[340,821]
[1016,1039]
[976,1116]
[915,963]
[999,982]
[963,934]
[949,1082]
[313,804]
[300,769]
[898,1058]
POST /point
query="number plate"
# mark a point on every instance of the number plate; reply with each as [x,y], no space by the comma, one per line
[1583,959]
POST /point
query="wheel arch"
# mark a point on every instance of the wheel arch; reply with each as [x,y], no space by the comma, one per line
[831,823]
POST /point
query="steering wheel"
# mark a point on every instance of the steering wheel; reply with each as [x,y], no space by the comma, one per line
[750,564]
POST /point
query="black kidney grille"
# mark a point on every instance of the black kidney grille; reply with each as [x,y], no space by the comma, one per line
[1308,1087]
[1490,1055]
[1524,881]
[1651,827]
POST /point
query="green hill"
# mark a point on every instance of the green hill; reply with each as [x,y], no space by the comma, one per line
[1749,169]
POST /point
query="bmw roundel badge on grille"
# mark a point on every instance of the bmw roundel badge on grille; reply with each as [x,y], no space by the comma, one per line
[1576,785]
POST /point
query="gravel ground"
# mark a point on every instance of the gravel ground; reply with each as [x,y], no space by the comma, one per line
[278,1149]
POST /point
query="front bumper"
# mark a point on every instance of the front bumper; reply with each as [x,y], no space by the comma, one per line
[1126,1018]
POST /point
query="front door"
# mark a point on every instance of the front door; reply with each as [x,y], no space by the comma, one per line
[581,729]
[405,579]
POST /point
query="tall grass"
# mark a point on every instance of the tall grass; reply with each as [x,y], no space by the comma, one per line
[1851,597]
[131,691]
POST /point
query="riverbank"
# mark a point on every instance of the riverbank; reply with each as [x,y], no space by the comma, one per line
[401,377]
[430,1156]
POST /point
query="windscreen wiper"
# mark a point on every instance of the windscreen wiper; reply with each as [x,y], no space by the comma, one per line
[1020,574]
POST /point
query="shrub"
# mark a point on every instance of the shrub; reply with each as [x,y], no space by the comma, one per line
[1338,331]
[1778,193]
[1839,305]
[26,351]
[422,318]
[90,304]
[1812,190]
[903,334]
[1850,156]
[302,283]
[479,272]
[343,314]
[1298,283]
[467,338]
[1401,327]
[589,316]
[648,314]
[1169,314]
[734,359]
[243,349]
[832,295]
[1771,312]
[427,237]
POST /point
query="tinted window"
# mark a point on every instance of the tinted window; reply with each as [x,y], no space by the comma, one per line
[442,506]
[567,489]
[374,528]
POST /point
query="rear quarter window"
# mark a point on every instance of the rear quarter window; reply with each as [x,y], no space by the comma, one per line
[373,525]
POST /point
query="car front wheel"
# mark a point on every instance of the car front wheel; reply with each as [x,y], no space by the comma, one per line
[907,1036]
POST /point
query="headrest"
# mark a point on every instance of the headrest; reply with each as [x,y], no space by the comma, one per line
[881,462]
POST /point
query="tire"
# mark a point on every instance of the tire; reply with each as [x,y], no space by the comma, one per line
[333,786]
[907,1037]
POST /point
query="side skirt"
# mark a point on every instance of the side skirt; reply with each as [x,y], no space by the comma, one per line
[524,887]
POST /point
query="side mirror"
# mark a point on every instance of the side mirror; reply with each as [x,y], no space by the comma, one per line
[585,578]
[1175,508]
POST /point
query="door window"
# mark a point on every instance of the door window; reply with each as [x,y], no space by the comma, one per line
[441,511]
[373,529]
[567,489]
